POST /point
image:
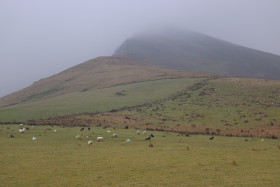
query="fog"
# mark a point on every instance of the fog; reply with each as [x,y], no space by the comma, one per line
[40,38]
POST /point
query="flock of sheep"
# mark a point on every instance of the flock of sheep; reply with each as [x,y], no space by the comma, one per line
[100,138]
[90,142]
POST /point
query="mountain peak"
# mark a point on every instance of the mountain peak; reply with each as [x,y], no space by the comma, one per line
[193,51]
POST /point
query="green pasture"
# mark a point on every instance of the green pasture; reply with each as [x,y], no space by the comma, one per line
[59,159]
[221,103]
[96,100]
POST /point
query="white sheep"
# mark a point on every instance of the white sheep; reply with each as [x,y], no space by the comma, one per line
[89,143]
[99,139]
[21,130]
[144,132]
[115,135]
[138,132]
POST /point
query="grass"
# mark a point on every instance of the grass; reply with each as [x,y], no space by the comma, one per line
[223,103]
[96,100]
[59,159]
[228,106]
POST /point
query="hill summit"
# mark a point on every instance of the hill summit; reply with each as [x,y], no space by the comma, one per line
[196,52]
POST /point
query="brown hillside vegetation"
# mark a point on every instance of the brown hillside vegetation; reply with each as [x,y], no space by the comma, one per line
[223,106]
[100,72]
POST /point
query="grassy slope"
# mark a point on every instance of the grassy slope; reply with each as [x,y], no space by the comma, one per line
[96,100]
[230,103]
[100,72]
[229,106]
[59,159]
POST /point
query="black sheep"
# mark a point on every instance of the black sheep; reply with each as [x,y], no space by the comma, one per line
[149,138]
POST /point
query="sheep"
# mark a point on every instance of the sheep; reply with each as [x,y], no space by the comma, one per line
[152,135]
[149,138]
[21,130]
[12,136]
[99,139]
[144,132]
[54,130]
[211,138]
[82,129]
[115,135]
[88,128]
[89,143]
[78,136]
[138,132]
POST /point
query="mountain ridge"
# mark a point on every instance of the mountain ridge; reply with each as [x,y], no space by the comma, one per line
[196,52]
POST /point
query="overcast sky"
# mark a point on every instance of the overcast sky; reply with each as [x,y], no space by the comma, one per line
[39,38]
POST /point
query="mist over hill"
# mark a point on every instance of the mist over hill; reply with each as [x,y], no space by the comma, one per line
[196,52]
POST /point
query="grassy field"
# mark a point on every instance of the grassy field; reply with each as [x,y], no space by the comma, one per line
[59,159]
[96,100]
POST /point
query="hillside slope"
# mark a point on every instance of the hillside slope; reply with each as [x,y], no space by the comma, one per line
[187,50]
[100,72]
[223,106]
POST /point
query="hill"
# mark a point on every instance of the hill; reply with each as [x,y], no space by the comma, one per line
[223,106]
[196,52]
[95,100]
[100,72]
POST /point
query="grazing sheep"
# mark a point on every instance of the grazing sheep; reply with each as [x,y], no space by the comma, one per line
[115,135]
[21,130]
[78,136]
[12,136]
[88,128]
[99,139]
[82,129]
[138,132]
[21,124]
[144,132]
[54,130]
[211,138]
[149,138]
[152,135]
[89,143]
